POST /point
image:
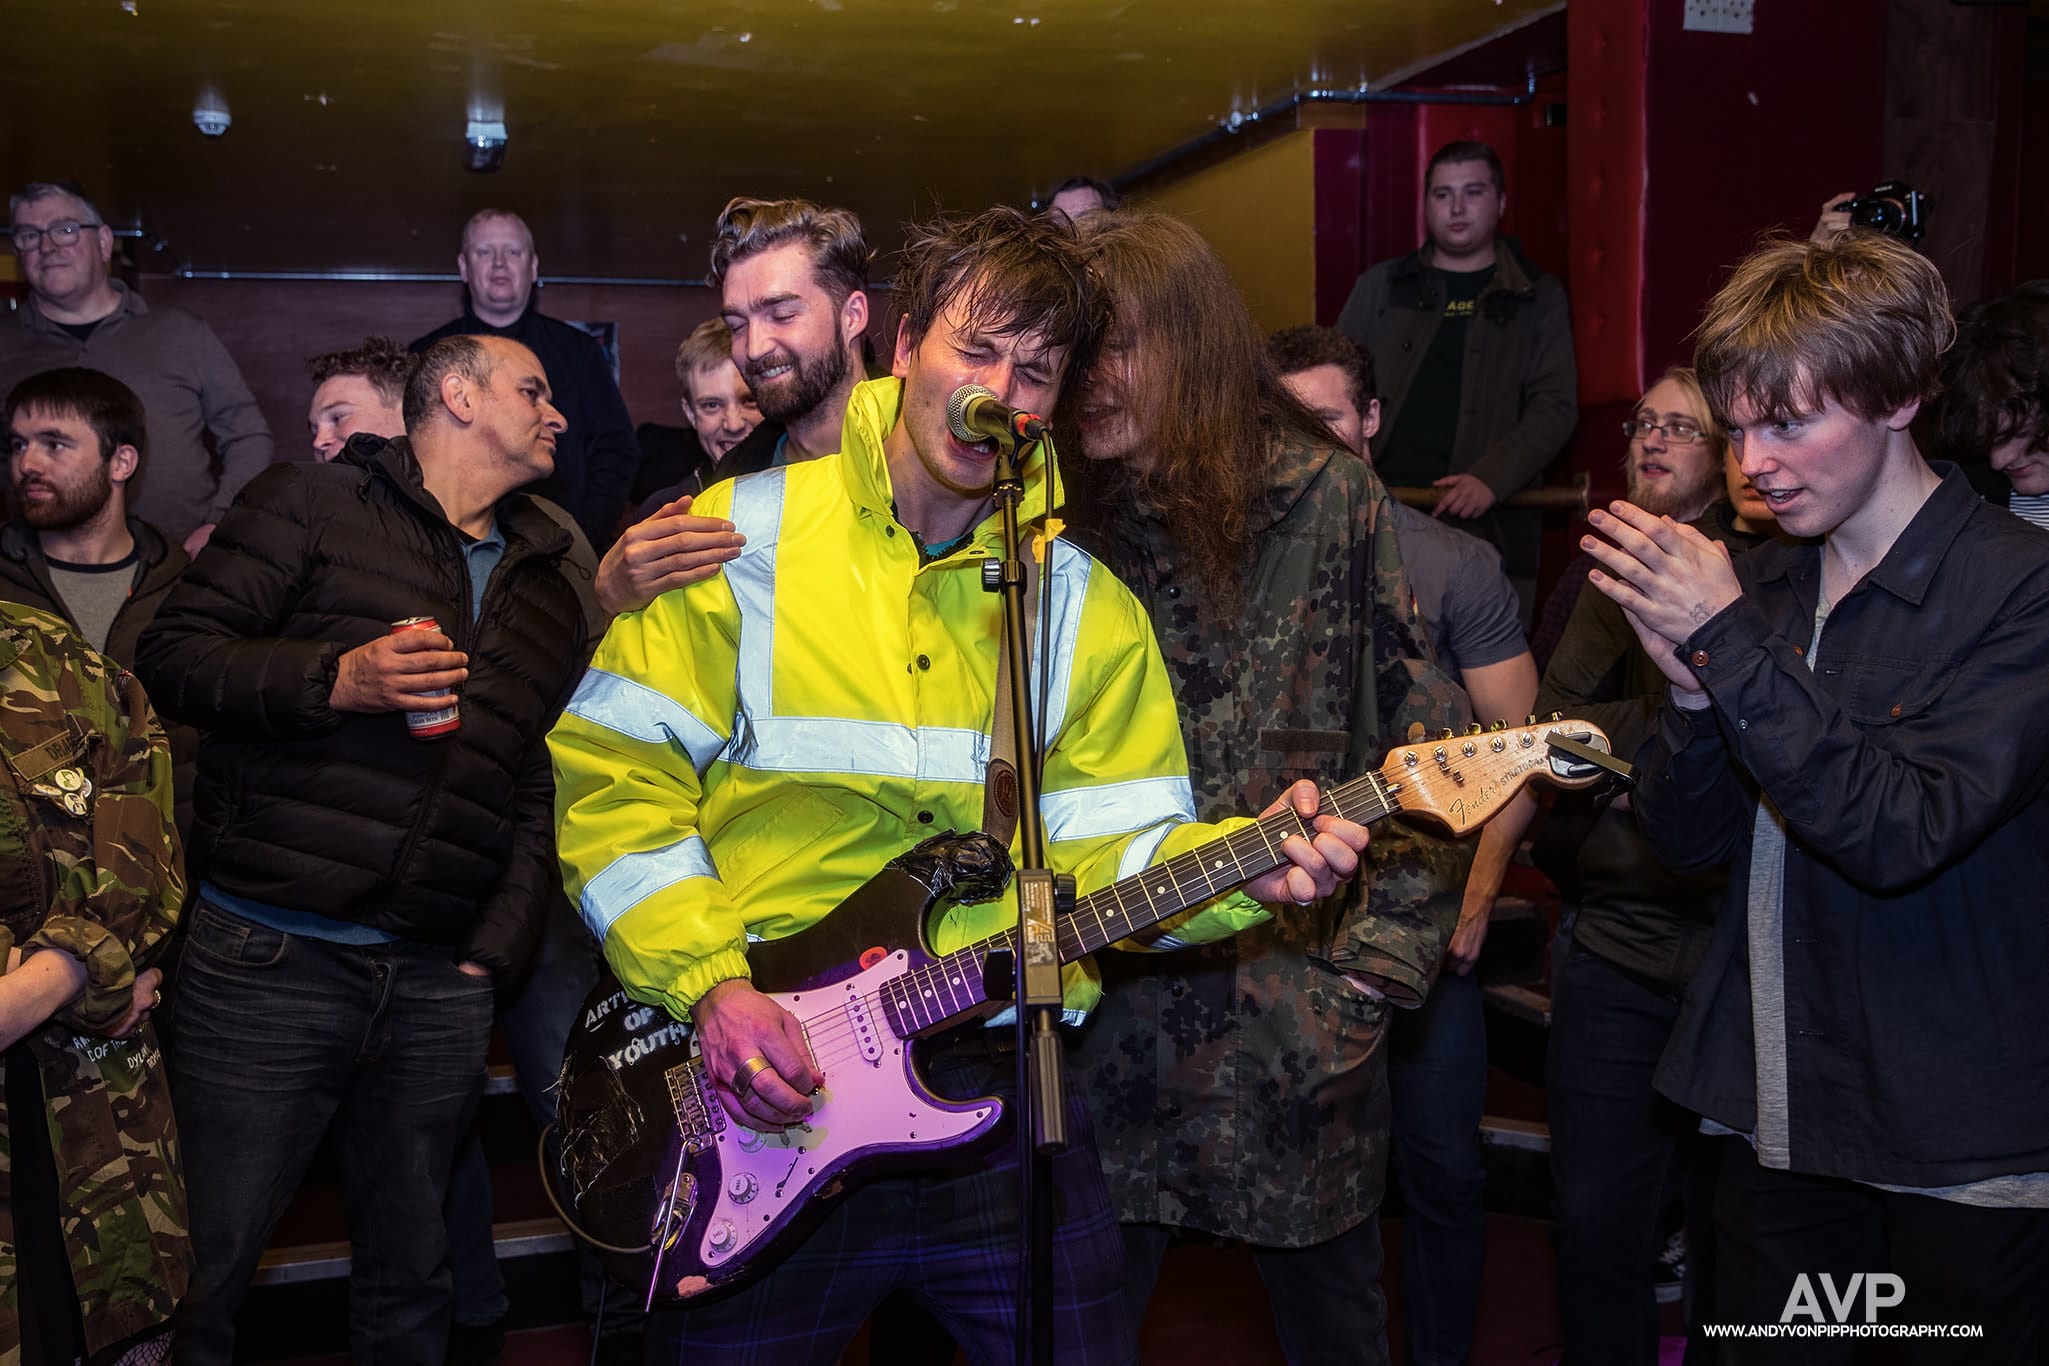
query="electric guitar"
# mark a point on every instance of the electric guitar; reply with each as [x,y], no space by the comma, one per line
[677,1198]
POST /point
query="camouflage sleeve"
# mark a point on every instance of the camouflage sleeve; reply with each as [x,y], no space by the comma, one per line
[120,872]
[1397,920]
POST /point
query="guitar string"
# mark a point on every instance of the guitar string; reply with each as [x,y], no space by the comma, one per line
[835,1028]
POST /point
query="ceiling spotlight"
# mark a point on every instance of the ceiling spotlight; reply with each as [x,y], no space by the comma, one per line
[484,145]
[210,113]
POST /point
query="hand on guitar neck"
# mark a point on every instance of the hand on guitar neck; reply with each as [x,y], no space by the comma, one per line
[737,1024]
[1314,870]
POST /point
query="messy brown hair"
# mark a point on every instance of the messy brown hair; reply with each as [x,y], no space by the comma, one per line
[709,345]
[840,255]
[1218,405]
[379,360]
[1013,274]
[1861,320]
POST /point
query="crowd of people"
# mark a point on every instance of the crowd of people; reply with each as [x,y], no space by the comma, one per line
[343,762]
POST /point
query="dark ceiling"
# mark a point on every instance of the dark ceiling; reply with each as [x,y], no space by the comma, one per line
[632,121]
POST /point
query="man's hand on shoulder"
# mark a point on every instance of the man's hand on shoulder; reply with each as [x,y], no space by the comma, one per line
[1465,495]
[1315,866]
[755,1054]
[196,542]
[411,671]
[666,550]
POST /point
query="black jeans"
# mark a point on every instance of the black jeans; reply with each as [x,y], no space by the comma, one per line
[1958,1264]
[1614,1142]
[1328,1306]
[277,1036]
[1437,1079]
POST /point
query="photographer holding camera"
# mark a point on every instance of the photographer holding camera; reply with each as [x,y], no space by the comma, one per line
[1893,208]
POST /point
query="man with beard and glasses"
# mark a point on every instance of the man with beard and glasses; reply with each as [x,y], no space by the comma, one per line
[597,456]
[750,749]
[1240,1088]
[1676,464]
[1630,938]
[792,278]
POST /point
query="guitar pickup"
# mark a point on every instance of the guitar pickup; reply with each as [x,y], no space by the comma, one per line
[862,1021]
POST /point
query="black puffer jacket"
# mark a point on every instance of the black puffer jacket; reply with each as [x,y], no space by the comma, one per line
[345,815]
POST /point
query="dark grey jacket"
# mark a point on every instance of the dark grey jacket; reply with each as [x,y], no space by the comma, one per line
[1518,402]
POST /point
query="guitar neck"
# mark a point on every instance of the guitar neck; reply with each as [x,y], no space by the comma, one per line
[941,990]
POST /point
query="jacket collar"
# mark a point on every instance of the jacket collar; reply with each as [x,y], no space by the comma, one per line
[1909,566]
[392,462]
[1512,274]
[1298,461]
[872,414]
[130,306]
[18,541]
[474,326]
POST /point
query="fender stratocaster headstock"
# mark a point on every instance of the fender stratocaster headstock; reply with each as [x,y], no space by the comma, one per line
[1464,781]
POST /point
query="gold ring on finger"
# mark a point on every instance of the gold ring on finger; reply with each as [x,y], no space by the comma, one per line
[743,1080]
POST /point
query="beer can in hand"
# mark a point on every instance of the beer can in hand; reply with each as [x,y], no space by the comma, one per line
[429,725]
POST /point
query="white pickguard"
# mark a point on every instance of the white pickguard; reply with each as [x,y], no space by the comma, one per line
[867,1104]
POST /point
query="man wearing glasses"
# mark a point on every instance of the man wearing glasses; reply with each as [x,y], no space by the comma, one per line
[77,316]
[1631,938]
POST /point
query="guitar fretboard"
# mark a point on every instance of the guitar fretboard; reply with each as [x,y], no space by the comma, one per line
[938,991]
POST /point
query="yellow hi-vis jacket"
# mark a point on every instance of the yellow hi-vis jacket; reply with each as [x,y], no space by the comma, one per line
[748,750]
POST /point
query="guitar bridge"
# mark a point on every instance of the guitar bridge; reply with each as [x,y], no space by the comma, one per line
[699,1116]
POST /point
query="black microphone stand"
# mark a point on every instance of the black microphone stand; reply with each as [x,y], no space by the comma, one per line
[1041,1112]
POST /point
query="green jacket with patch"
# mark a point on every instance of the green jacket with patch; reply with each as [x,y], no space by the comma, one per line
[90,865]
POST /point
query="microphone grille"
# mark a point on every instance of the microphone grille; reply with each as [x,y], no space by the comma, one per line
[957,409]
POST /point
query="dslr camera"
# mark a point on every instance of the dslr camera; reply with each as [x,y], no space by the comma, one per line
[1894,208]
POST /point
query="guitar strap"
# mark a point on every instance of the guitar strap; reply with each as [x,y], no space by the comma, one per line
[999,782]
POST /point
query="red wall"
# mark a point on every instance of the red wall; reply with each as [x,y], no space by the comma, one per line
[1748,132]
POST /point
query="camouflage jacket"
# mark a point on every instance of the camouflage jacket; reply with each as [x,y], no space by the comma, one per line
[90,866]
[1241,1089]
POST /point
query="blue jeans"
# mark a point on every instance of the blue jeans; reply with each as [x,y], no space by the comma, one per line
[1614,1145]
[1437,1078]
[278,1037]
[536,1027]
[1328,1307]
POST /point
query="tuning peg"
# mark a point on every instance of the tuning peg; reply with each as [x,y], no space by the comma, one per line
[1557,716]
[1530,720]
[1499,725]
[1475,728]
[1444,734]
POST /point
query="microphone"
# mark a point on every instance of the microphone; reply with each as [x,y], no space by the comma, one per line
[973,414]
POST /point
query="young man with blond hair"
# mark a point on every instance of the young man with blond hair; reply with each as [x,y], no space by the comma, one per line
[1851,724]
